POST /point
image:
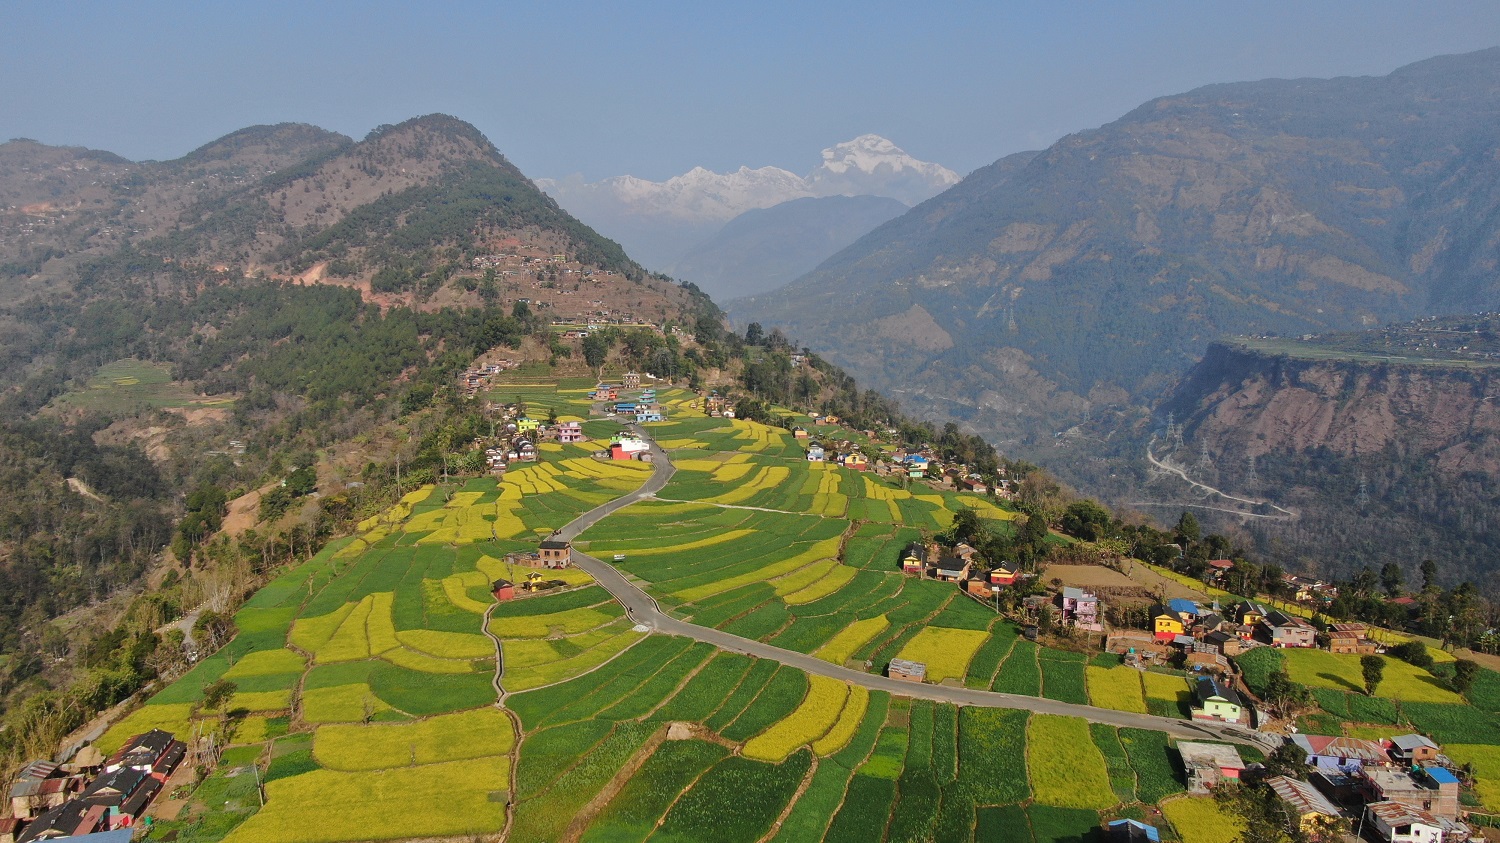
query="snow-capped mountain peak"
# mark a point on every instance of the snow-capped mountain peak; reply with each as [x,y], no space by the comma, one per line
[868,165]
[871,164]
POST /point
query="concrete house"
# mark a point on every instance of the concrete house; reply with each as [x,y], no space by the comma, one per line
[1430,789]
[1078,607]
[1207,764]
[1249,614]
[1166,624]
[1214,700]
[815,453]
[1413,749]
[570,432]
[1280,629]
[1350,638]
[914,559]
[555,554]
[907,671]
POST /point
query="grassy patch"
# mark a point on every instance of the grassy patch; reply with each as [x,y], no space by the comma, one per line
[1065,767]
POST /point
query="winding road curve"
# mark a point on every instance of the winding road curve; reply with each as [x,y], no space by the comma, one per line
[644,610]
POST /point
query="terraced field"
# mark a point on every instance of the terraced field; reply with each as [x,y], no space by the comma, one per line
[368,677]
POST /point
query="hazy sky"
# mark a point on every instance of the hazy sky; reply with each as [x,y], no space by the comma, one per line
[653,89]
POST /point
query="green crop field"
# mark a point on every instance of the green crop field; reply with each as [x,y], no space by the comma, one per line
[368,678]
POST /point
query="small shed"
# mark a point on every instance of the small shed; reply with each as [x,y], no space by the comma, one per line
[503,590]
[907,671]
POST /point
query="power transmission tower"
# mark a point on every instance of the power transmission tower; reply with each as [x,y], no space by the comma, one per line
[1204,463]
[1251,479]
[1363,498]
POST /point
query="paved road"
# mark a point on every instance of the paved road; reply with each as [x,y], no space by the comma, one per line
[644,610]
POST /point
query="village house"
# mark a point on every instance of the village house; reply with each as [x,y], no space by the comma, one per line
[815,453]
[1226,643]
[40,786]
[1280,629]
[1341,753]
[1413,749]
[632,380]
[1186,609]
[907,671]
[524,450]
[855,461]
[1350,638]
[1217,568]
[555,554]
[1215,700]
[71,819]
[124,794]
[952,567]
[570,432]
[1004,575]
[1399,823]
[1166,624]
[1249,614]
[1314,812]
[1430,789]
[914,559]
[1307,589]
[916,466]
[527,425]
[799,432]
[1079,607]
[1131,831]
[1207,764]
[154,752]
[503,590]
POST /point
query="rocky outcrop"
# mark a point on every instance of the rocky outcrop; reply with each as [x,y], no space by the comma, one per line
[1252,403]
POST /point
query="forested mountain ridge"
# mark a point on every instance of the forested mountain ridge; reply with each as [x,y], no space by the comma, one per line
[1094,273]
[155,377]
[61,206]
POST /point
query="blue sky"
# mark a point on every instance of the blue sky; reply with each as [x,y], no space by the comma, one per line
[653,89]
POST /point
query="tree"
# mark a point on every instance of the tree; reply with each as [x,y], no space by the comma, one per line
[217,694]
[1085,519]
[1465,671]
[1392,579]
[1429,575]
[754,334]
[1372,668]
[1186,532]
[1284,695]
[595,350]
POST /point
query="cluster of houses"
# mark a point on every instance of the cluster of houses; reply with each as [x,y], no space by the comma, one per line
[479,376]
[551,554]
[643,408]
[1246,625]
[848,456]
[92,796]
[1400,789]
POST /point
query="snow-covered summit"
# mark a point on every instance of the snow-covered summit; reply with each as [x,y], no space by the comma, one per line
[868,165]
[872,165]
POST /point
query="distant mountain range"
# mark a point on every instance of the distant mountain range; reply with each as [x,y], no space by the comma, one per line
[659,223]
[1050,286]
[766,248]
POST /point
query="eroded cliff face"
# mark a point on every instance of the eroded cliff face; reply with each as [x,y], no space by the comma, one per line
[1252,404]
